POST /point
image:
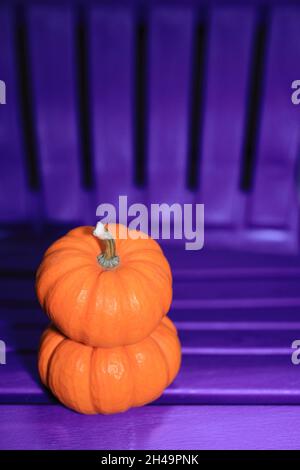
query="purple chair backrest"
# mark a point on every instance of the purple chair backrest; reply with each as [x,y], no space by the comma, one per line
[169,104]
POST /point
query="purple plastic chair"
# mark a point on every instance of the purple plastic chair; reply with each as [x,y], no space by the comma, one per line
[163,102]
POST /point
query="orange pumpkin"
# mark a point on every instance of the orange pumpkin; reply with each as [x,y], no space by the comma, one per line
[114,298]
[109,380]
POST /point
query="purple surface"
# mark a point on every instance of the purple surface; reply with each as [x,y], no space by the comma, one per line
[233,353]
[182,427]
[262,218]
[112,71]
[274,197]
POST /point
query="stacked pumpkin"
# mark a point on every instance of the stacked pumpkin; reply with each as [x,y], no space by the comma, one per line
[110,345]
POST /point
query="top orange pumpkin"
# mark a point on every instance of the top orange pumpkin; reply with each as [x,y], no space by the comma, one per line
[112,299]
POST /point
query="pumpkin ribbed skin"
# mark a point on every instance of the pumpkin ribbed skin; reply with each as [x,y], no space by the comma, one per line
[99,307]
[109,380]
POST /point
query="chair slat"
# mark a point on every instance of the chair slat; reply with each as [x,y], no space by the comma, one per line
[111,36]
[274,198]
[51,36]
[22,253]
[201,319]
[282,290]
[151,427]
[228,63]
[169,86]
[13,173]
[228,378]
[198,338]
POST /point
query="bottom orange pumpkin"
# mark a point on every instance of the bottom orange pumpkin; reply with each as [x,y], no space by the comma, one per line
[109,380]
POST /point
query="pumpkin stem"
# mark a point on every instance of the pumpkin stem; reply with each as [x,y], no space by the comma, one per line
[108,258]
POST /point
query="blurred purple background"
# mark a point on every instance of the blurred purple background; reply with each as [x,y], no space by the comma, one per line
[182,101]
